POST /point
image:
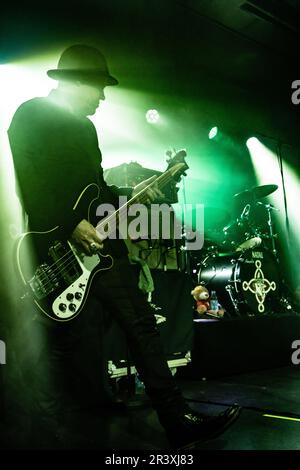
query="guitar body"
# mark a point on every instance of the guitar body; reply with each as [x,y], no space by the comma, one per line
[56,274]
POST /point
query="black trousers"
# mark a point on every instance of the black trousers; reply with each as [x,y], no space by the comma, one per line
[117,291]
[62,364]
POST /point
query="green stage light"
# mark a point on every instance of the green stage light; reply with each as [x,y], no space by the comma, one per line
[252,141]
[265,163]
[213,132]
[152,116]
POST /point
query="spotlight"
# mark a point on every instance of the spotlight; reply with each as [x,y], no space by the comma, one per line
[213,133]
[252,142]
[152,116]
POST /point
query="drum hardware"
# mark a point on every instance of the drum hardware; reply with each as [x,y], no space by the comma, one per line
[286,304]
[245,213]
[244,232]
[269,208]
[233,300]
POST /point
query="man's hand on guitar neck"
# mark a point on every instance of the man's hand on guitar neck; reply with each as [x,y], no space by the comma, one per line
[151,194]
[86,238]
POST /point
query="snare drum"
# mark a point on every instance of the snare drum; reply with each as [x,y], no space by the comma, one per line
[246,283]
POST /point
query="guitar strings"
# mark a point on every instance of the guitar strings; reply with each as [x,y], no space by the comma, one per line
[162,180]
[63,265]
[165,176]
[143,198]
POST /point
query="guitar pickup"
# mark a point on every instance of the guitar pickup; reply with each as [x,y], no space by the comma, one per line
[43,282]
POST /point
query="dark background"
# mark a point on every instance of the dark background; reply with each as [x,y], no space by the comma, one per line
[236,53]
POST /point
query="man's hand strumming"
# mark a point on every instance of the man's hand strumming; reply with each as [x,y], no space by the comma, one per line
[86,237]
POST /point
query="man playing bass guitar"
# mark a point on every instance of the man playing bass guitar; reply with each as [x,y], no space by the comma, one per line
[58,163]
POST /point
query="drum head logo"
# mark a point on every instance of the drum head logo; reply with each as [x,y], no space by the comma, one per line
[259,286]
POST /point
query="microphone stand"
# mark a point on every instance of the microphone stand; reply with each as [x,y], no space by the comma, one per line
[279,144]
[272,235]
[184,251]
[287,222]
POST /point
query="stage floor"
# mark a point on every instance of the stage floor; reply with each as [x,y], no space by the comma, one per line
[268,392]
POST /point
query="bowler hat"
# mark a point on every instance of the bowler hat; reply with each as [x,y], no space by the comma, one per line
[85,63]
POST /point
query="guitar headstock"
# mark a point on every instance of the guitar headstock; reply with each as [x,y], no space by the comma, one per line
[176,159]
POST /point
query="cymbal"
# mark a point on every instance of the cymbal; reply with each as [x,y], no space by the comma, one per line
[249,195]
[263,191]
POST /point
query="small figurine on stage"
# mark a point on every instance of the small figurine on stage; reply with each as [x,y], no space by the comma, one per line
[207,304]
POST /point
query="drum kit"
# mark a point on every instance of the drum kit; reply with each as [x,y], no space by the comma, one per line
[239,261]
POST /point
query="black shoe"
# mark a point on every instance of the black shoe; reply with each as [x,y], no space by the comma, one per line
[188,429]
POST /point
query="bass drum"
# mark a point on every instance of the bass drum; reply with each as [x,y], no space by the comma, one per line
[246,283]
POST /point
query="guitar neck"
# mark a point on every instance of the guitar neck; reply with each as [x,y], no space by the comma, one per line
[161,181]
[139,198]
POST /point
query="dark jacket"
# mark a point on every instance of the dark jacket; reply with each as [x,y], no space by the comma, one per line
[56,155]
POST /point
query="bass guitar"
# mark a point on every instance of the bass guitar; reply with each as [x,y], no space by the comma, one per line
[56,274]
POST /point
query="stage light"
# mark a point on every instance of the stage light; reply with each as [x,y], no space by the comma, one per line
[213,132]
[19,82]
[252,141]
[152,116]
[265,163]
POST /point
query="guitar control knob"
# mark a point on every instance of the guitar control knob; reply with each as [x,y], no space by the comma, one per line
[62,307]
[70,296]
[78,295]
[81,286]
[72,307]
